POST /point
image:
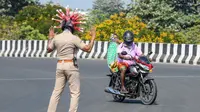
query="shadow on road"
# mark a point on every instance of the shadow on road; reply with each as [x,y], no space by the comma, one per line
[128,101]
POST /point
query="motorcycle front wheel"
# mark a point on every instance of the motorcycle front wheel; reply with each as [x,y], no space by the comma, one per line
[150,95]
[117,86]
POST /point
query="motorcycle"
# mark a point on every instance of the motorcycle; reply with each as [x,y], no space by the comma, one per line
[138,85]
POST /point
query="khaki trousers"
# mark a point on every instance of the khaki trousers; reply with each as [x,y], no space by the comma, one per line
[66,72]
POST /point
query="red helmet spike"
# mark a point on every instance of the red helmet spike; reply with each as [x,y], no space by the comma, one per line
[57,20]
[57,27]
[67,11]
[60,14]
[76,27]
[79,29]
[74,15]
[77,17]
[78,22]
[81,19]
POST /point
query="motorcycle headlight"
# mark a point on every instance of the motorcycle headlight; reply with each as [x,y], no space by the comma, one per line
[144,67]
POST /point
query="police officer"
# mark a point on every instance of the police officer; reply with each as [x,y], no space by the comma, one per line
[67,45]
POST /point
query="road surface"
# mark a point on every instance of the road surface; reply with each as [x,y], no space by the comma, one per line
[26,85]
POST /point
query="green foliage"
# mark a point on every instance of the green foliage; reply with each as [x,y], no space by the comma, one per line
[11,7]
[8,28]
[157,14]
[39,17]
[185,6]
[119,24]
[162,14]
[109,7]
[103,9]
[11,30]
[191,35]
[171,21]
[29,33]
[96,17]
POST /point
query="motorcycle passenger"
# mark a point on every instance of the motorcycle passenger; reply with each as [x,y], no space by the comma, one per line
[125,61]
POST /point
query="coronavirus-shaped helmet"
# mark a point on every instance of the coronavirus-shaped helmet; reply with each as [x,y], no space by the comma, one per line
[69,20]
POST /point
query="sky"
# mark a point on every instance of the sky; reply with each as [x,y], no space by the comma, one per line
[81,4]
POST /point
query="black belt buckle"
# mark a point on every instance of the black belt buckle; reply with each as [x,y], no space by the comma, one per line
[75,62]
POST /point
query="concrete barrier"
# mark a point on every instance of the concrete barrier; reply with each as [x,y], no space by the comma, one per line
[162,52]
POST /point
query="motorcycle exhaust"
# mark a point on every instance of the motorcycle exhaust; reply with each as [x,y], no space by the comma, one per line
[112,91]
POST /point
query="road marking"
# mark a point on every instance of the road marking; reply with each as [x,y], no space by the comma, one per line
[26,79]
[33,79]
[176,76]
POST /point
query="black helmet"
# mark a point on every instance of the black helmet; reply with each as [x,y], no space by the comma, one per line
[128,37]
[67,25]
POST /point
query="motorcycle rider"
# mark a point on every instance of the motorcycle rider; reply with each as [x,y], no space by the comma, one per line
[125,61]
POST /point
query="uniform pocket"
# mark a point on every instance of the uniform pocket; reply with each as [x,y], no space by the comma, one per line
[69,66]
[59,66]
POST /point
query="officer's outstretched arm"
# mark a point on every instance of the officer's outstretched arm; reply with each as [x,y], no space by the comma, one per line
[88,48]
[50,46]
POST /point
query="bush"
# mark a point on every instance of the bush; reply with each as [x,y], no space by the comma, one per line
[119,24]
[39,17]
[29,33]
[9,29]
[190,35]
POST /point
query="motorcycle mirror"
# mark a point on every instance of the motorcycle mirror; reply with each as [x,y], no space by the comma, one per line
[124,53]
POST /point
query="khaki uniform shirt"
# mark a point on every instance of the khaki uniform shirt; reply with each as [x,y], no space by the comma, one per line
[67,46]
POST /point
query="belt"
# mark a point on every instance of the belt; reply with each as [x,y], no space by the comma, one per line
[60,61]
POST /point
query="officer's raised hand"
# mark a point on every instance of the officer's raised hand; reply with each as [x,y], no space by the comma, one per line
[88,48]
[93,32]
[51,32]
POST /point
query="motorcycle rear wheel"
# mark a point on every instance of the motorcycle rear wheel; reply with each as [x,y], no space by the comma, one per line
[151,87]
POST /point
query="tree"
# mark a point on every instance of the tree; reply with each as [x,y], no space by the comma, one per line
[39,17]
[11,30]
[11,7]
[27,32]
[119,24]
[157,14]
[8,28]
[160,14]
[103,9]
[109,6]
[190,35]
[185,6]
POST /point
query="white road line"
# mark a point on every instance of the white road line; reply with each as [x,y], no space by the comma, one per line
[177,76]
[25,79]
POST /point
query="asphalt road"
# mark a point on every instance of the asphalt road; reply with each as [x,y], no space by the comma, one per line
[26,86]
